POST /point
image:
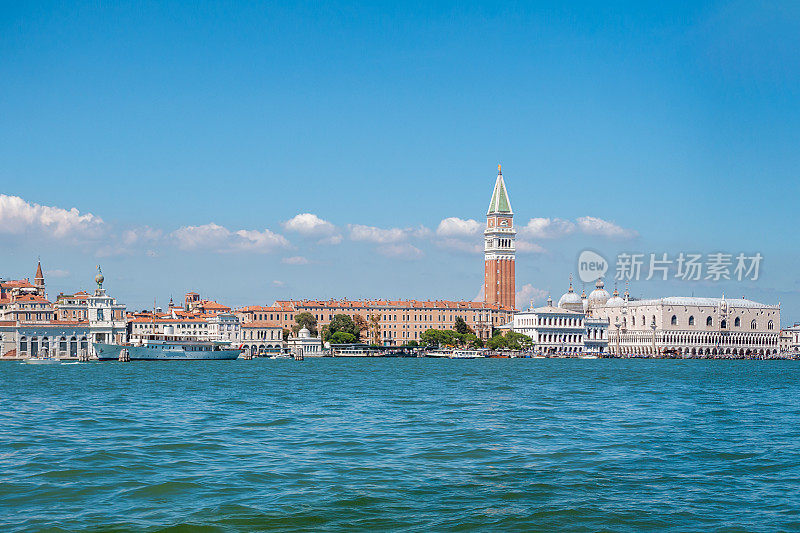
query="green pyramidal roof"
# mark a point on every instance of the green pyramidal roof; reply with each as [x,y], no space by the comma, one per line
[500,202]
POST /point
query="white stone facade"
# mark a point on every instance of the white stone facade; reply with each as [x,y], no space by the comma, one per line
[692,327]
[557,331]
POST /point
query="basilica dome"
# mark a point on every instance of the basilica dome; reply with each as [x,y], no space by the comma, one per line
[615,300]
[571,301]
[599,296]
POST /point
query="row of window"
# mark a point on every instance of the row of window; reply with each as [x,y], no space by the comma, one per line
[710,322]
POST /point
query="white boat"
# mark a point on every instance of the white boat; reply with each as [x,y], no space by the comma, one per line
[42,361]
[281,356]
[439,353]
[466,354]
[589,356]
[354,352]
[159,347]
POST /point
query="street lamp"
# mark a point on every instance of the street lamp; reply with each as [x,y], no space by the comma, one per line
[653,327]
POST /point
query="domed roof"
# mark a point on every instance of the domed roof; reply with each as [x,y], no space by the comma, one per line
[570,300]
[599,296]
[615,300]
[304,333]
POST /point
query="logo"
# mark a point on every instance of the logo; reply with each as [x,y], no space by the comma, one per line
[591,266]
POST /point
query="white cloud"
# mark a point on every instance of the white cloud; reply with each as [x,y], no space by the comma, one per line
[142,234]
[359,232]
[309,224]
[481,294]
[333,239]
[547,228]
[56,273]
[528,292]
[295,260]
[277,283]
[459,227]
[554,228]
[215,238]
[401,251]
[18,216]
[529,247]
[598,226]
[461,245]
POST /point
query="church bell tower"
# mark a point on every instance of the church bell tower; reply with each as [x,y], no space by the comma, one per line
[499,248]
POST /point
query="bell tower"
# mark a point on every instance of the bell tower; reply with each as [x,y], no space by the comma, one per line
[499,248]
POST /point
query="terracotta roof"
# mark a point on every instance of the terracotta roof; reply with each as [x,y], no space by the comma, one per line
[11,353]
[17,283]
[31,298]
[259,309]
[370,304]
[161,320]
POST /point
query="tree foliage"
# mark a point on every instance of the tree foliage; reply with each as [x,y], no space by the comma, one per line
[461,326]
[340,324]
[510,341]
[342,337]
[448,337]
[305,320]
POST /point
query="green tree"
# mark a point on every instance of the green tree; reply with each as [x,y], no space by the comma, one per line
[472,340]
[462,327]
[518,341]
[497,342]
[441,337]
[305,320]
[342,337]
[286,333]
[340,324]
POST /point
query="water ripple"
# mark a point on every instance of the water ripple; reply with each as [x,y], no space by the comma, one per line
[401,444]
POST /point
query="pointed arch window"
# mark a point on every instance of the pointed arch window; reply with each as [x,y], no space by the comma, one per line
[753,324]
[737,322]
[674,320]
[691,320]
[709,321]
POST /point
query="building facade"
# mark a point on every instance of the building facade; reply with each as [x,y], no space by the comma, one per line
[790,338]
[690,326]
[262,338]
[562,330]
[499,248]
[33,327]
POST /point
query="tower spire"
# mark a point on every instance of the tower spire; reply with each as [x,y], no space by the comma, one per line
[38,281]
[499,248]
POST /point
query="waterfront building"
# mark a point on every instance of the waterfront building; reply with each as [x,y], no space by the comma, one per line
[196,305]
[499,248]
[261,337]
[390,322]
[304,345]
[562,330]
[32,326]
[690,326]
[224,327]
[790,339]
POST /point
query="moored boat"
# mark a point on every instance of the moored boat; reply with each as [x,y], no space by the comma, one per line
[166,348]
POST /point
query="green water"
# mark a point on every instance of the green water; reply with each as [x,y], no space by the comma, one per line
[401,444]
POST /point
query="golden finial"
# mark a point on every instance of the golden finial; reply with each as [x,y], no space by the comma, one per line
[499,169]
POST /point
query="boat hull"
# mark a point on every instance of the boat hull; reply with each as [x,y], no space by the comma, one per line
[110,352]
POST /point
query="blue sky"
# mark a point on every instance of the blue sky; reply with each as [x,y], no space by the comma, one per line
[677,124]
